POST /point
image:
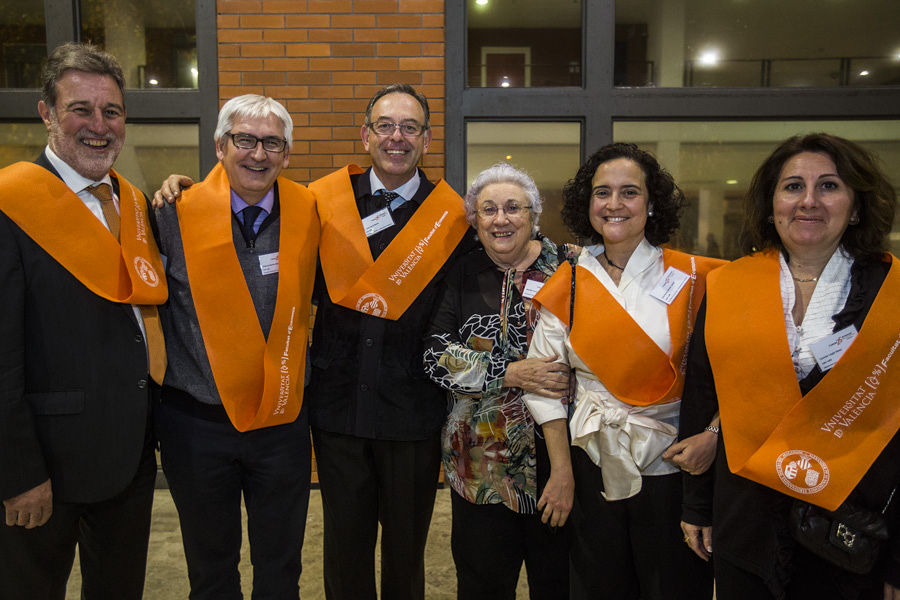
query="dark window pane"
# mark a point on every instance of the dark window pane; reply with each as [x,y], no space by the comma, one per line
[23,43]
[155,40]
[763,43]
[527,43]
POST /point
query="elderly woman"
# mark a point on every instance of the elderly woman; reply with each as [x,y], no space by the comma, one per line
[800,497]
[634,305]
[494,457]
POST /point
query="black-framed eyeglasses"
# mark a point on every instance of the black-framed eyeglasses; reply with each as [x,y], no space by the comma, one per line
[247,141]
[513,210]
[407,128]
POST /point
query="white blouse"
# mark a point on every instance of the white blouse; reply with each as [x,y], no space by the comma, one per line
[626,441]
[829,297]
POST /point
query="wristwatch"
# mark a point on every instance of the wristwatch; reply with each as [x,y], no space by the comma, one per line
[712,428]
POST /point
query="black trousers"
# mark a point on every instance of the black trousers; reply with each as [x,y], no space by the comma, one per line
[490,542]
[633,548]
[209,465]
[111,537]
[366,482]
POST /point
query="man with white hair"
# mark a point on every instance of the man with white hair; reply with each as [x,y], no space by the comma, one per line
[231,419]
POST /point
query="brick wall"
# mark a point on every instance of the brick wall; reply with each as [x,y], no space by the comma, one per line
[323,59]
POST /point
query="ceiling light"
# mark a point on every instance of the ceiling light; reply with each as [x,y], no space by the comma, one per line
[153,81]
[194,71]
[481,2]
[709,58]
[504,81]
[731,181]
[864,73]
[509,157]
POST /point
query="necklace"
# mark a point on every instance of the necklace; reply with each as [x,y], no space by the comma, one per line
[810,279]
[611,263]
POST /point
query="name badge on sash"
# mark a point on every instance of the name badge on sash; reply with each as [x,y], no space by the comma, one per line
[268,263]
[668,287]
[377,221]
[531,288]
[830,349]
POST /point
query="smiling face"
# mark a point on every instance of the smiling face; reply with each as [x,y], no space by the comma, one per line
[618,210]
[505,238]
[812,205]
[394,156]
[86,128]
[252,173]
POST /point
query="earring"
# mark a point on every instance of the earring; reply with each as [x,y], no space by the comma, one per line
[771,219]
[650,212]
[854,220]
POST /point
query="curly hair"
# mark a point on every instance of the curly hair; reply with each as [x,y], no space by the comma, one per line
[874,198]
[663,194]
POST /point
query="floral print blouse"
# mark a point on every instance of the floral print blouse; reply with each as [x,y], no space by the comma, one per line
[483,323]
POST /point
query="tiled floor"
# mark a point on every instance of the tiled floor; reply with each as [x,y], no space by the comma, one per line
[167,573]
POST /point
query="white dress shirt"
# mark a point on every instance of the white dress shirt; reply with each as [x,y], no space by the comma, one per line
[626,441]
[829,297]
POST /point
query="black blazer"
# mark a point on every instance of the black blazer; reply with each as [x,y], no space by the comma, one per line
[367,377]
[74,388]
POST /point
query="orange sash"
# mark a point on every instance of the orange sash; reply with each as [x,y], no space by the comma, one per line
[260,381]
[815,447]
[385,287]
[53,216]
[622,356]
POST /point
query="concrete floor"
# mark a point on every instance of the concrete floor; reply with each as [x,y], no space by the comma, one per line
[167,573]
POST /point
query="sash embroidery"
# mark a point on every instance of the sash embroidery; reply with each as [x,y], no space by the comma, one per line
[53,216]
[388,286]
[260,381]
[815,447]
[643,374]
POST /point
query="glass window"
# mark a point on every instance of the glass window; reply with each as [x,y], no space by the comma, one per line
[155,40]
[527,43]
[549,152]
[802,43]
[713,163]
[23,48]
[150,154]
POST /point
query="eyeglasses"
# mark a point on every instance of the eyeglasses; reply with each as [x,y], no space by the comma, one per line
[408,129]
[511,210]
[247,141]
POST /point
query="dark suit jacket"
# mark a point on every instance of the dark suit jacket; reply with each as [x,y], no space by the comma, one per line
[74,389]
[367,377]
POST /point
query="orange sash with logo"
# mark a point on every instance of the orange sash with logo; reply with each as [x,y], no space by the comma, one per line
[260,381]
[815,447]
[622,356]
[53,216]
[388,286]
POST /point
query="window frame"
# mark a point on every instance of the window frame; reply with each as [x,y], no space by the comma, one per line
[598,103]
[198,106]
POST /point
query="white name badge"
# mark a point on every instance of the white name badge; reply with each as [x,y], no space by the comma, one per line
[668,287]
[377,221]
[830,349]
[531,288]
[268,263]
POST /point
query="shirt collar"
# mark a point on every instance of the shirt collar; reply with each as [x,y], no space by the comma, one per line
[267,203]
[407,191]
[72,178]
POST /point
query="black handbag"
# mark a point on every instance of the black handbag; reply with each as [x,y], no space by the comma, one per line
[850,537]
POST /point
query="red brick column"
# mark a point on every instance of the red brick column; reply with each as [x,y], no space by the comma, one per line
[323,59]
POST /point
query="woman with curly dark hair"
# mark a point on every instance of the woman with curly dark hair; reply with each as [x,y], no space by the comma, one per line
[794,345]
[634,306]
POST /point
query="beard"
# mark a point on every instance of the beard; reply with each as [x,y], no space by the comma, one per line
[86,161]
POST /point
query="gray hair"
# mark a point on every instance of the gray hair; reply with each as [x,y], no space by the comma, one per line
[253,106]
[504,173]
[399,88]
[78,57]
